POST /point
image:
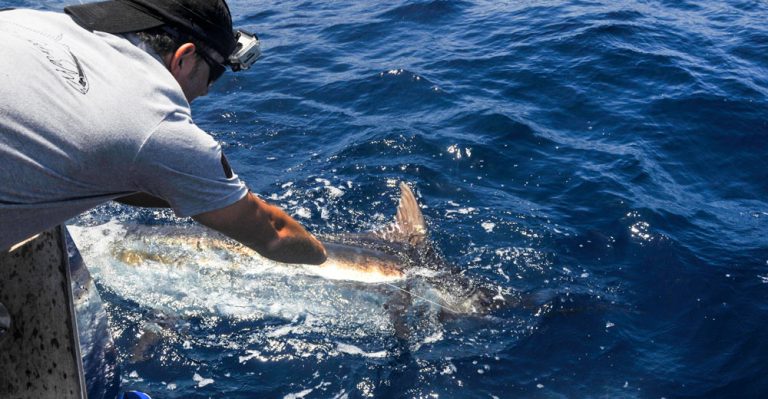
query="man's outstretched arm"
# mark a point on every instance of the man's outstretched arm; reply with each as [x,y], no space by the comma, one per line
[267,229]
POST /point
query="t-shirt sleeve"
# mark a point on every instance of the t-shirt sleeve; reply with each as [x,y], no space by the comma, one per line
[185,166]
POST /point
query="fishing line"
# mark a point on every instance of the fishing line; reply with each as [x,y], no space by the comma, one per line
[421,297]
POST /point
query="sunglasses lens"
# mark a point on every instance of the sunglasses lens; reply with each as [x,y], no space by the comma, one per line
[215,69]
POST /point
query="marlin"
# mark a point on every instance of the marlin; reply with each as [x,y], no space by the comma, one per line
[393,255]
[388,279]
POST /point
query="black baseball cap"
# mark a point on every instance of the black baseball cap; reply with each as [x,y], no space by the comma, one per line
[206,20]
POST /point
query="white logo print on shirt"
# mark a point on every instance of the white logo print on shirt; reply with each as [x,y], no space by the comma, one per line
[58,54]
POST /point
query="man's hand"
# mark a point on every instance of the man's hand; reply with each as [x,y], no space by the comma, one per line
[267,229]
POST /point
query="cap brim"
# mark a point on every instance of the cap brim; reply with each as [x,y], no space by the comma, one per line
[112,17]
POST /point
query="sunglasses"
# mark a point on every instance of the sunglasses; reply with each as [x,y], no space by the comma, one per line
[215,69]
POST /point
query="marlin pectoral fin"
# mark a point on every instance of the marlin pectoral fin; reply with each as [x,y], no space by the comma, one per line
[409,226]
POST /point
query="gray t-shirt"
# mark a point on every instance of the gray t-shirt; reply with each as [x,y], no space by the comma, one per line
[86,117]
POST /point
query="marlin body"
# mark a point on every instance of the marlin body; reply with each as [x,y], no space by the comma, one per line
[368,257]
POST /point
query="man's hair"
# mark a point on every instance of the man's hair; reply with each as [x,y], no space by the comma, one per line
[163,41]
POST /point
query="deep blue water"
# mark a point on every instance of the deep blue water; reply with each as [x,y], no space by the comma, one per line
[611,154]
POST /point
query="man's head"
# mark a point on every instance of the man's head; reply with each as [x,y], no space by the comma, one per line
[200,32]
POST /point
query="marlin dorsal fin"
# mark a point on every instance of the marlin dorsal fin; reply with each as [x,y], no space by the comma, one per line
[409,226]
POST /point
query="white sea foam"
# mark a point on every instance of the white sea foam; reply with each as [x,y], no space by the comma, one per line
[437,336]
[298,395]
[201,382]
[303,212]
[252,354]
[353,350]
[461,211]
[334,192]
[449,369]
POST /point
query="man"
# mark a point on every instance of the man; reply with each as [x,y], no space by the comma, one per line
[94,106]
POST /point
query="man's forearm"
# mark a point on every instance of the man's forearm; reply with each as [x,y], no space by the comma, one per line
[267,229]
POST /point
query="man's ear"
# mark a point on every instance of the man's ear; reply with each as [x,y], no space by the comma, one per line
[181,60]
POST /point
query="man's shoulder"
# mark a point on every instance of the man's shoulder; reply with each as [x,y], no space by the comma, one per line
[178,130]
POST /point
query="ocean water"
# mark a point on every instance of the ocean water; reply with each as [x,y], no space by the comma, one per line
[605,158]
